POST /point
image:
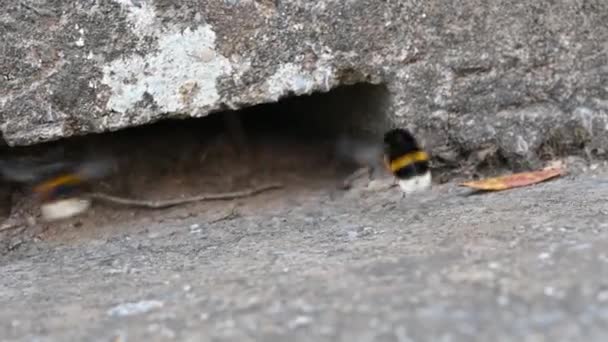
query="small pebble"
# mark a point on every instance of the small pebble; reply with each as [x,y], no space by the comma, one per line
[129,309]
[544,256]
[299,321]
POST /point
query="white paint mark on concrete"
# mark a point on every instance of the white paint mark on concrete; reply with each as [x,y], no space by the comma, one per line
[180,76]
[129,309]
[291,77]
[141,16]
[183,59]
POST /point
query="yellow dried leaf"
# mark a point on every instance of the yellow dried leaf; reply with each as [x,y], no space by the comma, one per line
[514,181]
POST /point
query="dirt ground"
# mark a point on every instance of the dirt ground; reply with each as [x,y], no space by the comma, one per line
[151,169]
[309,261]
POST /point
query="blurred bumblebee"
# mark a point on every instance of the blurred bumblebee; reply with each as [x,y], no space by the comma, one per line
[59,186]
[405,159]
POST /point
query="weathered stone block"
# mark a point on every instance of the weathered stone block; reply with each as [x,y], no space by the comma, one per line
[460,74]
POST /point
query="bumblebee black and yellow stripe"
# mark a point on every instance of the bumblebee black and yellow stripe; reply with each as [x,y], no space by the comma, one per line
[402,155]
[408,159]
[63,180]
[58,187]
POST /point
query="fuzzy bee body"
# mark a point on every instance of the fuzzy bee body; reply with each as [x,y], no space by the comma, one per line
[407,161]
[58,186]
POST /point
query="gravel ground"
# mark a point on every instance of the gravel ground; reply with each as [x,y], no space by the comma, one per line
[524,265]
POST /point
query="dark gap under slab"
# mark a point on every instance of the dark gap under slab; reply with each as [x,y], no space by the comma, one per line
[291,141]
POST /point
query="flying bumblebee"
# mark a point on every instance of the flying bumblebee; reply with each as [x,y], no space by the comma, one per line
[58,185]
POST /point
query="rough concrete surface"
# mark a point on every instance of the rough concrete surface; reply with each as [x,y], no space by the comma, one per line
[520,82]
[524,265]
[520,76]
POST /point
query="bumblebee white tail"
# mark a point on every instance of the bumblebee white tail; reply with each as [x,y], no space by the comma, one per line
[416,184]
[64,208]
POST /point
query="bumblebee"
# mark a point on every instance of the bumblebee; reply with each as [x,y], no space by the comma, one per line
[405,159]
[59,186]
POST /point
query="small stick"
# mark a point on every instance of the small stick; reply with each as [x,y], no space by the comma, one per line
[173,202]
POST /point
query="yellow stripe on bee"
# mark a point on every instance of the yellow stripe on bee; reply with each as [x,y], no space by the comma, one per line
[407,160]
[69,179]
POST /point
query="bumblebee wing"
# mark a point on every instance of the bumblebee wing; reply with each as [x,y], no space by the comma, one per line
[95,169]
[387,163]
[359,151]
[25,171]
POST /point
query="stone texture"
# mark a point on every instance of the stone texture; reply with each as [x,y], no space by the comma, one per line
[465,75]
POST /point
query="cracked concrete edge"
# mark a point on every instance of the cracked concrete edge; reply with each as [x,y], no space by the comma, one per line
[511,76]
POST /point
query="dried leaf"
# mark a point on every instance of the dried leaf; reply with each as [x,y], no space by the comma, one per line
[514,181]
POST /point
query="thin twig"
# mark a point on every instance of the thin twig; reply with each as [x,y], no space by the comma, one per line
[173,202]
